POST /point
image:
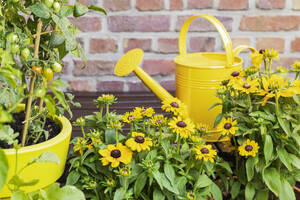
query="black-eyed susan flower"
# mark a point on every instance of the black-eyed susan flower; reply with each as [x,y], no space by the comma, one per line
[115,154]
[271,54]
[205,152]
[174,106]
[139,142]
[183,127]
[125,171]
[296,67]
[158,120]
[129,117]
[144,112]
[249,148]
[228,126]
[80,145]
[235,75]
[252,69]
[191,196]
[281,69]
[256,58]
[202,128]
[105,99]
[196,138]
[115,125]
[247,86]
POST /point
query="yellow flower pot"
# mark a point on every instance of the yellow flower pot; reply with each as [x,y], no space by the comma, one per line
[46,173]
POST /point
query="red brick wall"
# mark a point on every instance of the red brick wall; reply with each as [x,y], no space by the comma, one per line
[154,26]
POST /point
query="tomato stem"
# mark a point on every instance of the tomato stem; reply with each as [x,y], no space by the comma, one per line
[29,101]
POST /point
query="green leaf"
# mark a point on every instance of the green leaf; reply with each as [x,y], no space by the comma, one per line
[286,191]
[58,83]
[262,195]
[110,137]
[297,175]
[120,193]
[65,193]
[268,148]
[140,183]
[48,157]
[216,192]
[250,168]
[7,133]
[166,146]
[56,39]
[249,191]
[65,11]
[204,181]
[295,160]
[226,166]
[170,173]
[296,137]
[158,195]
[284,157]
[215,105]
[80,10]
[218,120]
[19,182]
[235,189]
[272,179]
[180,184]
[19,195]
[3,168]
[40,10]
[166,184]
[263,115]
[285,125]
[72,178]
[96,8]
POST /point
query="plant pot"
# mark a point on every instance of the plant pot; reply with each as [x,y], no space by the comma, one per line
[46,173]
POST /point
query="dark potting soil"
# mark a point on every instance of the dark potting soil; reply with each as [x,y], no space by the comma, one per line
[50,126]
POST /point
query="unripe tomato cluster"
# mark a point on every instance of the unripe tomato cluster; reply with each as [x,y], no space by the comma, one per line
[51,4]
[14,40]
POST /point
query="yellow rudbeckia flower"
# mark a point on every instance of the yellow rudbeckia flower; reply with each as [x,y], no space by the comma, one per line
[247,86]
[228,126]
[249,148]
[145,112]
[183,127]
[205,152]
[115,154]
[174,106]
[139,142]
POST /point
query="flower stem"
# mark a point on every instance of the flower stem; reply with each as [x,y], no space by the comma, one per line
[178,144]
[236,155]
[199,175]
[97,195]
[117,136]
[83,133]
[29,101]
[277,105]
[270,64]
[101,111]
[160,135]
[107,109]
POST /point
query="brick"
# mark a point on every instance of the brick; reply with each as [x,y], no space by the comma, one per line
[94,68]
[269,23]
[237,41]
[270,4]
[87,2]
[202,44]
[132,43]
[200,4]
[98,45]
[269,43]
[167,45]
[168,85]
[161,66]
[285,62]
[146,23]
[79,85]
[295,45]
[87,24]
[146,5]
[296,4]
[110,86]
[202,25]
[176,4]
[116,5]
[137,87]
[233,5]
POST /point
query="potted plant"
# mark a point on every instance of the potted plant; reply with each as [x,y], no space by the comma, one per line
[153,157]
[261,114]
[34,38]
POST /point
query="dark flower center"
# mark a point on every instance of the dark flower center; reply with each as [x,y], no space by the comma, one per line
[181,124]
[261,51]
[89,141]
[246,85]
[235,74]
[204,150]
[115,153]
[202,128]
[139,139]
[248,148]
[131,117]
[174,104]
[143,111]
[191,196]
[227,125]
[159,121]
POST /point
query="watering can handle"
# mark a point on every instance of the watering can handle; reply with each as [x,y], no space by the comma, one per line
[221,29]
[241,48]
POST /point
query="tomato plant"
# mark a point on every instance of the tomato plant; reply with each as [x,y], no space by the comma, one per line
[12,38]
[48,74]
[56,67]
[48,3]
[37,69]
[56,7]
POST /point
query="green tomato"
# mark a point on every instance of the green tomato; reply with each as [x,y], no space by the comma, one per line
[56,67]
[25,53]
[56,7]
[40,92]
[48,3]
[48,74]
[15,48]
[15,1]
[26,41]
[12,38]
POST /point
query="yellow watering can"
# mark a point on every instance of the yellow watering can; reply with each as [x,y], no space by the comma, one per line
[198,75]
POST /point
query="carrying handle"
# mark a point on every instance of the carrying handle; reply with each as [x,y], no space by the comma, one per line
[241,48]
[221,29]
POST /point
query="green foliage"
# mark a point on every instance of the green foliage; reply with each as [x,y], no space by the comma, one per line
[3,168]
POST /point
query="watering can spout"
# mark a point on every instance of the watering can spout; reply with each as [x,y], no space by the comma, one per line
[130,63]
